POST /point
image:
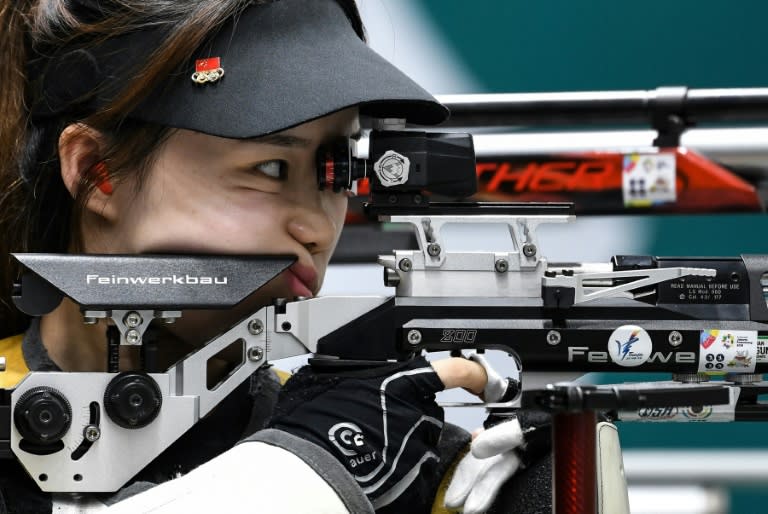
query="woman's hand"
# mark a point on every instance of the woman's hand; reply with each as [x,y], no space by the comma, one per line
[459,372]
[381,423]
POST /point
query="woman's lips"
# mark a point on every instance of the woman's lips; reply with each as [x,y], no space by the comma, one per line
[302,280]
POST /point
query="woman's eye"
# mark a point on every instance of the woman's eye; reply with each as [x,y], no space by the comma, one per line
[274,169]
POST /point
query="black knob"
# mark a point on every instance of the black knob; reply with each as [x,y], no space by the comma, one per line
[42,415]
[132,400]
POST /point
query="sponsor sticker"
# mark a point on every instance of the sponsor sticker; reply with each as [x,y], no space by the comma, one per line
[657,413]
[692,413]
[762,349]
[649,179]
[728,351]
[630,346]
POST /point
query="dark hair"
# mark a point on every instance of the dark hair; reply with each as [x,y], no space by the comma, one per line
[37,213]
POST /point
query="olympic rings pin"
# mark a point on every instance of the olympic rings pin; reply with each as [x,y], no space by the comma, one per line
[207,70]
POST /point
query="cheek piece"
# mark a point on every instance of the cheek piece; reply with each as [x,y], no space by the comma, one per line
[98,173]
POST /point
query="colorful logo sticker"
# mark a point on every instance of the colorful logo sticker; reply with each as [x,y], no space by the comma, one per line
[649,179]
[629,346]
[732,351]
[708,337]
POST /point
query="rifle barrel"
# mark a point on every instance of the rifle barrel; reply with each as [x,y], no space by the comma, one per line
[607,107]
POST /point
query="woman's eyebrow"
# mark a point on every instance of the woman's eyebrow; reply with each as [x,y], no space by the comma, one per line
[291,141]
[281,140]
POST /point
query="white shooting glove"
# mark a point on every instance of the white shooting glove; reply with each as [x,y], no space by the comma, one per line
[495,454]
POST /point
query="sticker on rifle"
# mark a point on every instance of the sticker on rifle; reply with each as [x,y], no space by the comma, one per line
[392,169]
[630,346]
[732,351]
[725,412]
[649,179]
[762,349]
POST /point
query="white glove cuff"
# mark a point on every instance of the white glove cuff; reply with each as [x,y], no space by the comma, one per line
[496,386]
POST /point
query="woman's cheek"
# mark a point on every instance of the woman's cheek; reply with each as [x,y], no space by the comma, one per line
[339,203]
[228,229]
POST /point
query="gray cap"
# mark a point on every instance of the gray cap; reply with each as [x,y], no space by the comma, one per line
[279,65]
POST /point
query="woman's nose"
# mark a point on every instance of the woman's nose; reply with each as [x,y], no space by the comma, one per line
[314,227]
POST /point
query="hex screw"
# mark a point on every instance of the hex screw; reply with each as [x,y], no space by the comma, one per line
[554,337]
[414,337]
[92,433]
[133,336]
[501,265]
[675,338]
[434,249]
[169,320]
[255,327]
[90,320]
[406,265]
[529,250]
[132,319]
[255,353]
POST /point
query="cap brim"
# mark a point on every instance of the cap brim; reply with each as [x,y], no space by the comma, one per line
[286,63]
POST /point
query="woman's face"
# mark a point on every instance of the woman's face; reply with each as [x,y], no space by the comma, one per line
[205,194]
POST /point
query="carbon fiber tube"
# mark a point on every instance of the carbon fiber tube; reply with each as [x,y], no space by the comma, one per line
[574,462]
[607,107]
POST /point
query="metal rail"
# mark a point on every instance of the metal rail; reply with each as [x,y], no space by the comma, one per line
[695,106]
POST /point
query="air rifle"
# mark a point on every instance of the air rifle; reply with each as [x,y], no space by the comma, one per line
[687,316]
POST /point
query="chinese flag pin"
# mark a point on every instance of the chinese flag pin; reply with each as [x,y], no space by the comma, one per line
[207,70]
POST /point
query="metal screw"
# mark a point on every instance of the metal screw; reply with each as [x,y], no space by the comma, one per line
[675,338]
[255,327]
[169,321]
[434,249]
[132,319]
[92,433]
[255,353]
[501,266]
[414,337]
[529,250]
[554,337]
[133,336]
[417,199]
[90,320]
[391,278]
[392,199]
[406,265]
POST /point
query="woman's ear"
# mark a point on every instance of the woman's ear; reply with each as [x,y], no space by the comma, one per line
[80,156]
